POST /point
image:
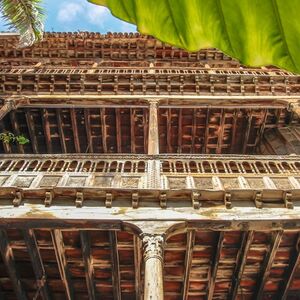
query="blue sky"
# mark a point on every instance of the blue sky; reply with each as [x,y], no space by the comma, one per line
[80,15]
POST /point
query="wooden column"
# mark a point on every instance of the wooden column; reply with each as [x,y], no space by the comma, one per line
[153,260]
[153,141]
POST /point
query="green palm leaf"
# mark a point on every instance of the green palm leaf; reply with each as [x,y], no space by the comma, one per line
[256,32]
[25,16]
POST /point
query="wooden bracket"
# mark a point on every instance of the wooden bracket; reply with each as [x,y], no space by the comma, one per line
[163,200]
[48,198]
[135,199]
[195,199]
[79,199]
[258,200]
[108,199]
[288,203]
[227,200]
[18,199]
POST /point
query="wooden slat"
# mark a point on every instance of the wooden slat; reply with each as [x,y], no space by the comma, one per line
[75,130]
[240,264]
[233,131]
[169,131]
[137,265]
[9,262]
[87,122]
[146,129]
[115,265]
[59,250]
[206,131]
[188,263]
[290,273]
[262,127]
[31,130]
[132,128]
[221,132]
[46,126]
[267,265]
[247,132]
[61,131]
[88,263]
[37,263]
[118,130]
[15,126]
[215,266]
[103,129]
[179,131]
[194,127]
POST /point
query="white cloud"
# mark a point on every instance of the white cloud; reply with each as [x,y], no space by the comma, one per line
[97,15]
[68,12]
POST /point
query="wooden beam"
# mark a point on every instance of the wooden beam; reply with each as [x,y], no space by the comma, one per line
[179,149]
[9,262]
[267,264]
[15,126]
[194,127]
[88,263]
[59,249]
[118,130]
[262,127]
[233,132]
[215,266]
[31,130]
[290,273]
[247,133]
[87,122]
[37,263]
[61,131]
[169,130]
[132,129]
[206,131]
[240,264]
[137,265]
[103,129]
[188,263]
[46,126]
[115,265]
[8,106]
[221,132]
[75,130]
[146,128]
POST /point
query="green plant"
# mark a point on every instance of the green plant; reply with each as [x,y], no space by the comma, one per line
[9,138]
[25,16]
[256,32]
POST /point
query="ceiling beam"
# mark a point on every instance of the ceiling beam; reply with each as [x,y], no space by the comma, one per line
[233,132]
[137,264]
[240,263]
[132,129]
[206,135]
[118,130]
[31,130]
[115,265]
[37,263]
[87,122]
[46,126]
[88,263]
[267,264]
[247,132]
[61,131]
[75,130]
[188,263]
[9,262]
[291,270]
[59,249]
[221,131]
[215,265]
[103,129]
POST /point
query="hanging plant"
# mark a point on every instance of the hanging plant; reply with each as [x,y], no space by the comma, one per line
[9,138]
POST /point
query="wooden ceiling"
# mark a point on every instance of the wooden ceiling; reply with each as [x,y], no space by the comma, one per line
[199,264]
[125,130]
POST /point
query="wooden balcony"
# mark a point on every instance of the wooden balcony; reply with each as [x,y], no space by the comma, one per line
[158,181]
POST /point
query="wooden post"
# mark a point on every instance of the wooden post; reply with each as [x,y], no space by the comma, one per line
[153,259]
[153,142]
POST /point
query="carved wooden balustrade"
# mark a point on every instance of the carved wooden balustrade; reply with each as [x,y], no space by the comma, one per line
[141,81]
[151,180]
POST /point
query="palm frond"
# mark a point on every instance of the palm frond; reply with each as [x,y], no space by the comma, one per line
[25,16]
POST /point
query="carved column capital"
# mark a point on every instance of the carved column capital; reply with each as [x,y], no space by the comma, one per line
[153,245]
[153,101]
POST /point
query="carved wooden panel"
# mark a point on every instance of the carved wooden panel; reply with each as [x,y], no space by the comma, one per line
[23,181]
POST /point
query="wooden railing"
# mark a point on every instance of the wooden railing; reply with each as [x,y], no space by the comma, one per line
[268,181]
